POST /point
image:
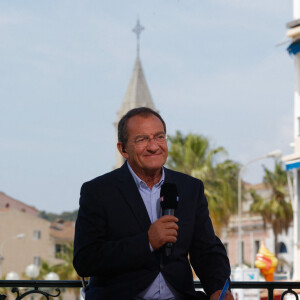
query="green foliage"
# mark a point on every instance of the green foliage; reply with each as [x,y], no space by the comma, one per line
[45,269]
[3,290]
[65,216]
[192,155]
[277,209]
[65,269]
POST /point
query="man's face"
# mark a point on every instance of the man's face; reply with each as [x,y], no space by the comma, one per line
[150,156]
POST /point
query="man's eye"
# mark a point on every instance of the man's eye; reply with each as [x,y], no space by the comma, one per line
[140,140]
[160,138]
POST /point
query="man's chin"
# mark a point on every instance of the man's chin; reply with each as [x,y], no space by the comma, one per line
[153,168]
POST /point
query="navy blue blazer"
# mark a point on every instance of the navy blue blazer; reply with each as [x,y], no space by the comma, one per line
[111,241]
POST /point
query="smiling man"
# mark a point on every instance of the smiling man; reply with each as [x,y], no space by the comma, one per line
[120,233]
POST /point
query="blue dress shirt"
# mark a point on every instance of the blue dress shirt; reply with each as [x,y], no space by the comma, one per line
[158,289]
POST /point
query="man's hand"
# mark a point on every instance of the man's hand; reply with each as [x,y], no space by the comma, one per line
[162,231]
[216,295]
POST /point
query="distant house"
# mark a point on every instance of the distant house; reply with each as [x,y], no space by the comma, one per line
[9,202]
[254,233]
[25,238]
[61,233]
[18,253]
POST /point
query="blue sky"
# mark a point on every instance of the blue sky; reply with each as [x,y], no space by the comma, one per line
[213,68]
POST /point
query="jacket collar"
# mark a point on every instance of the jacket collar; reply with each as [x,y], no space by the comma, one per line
[131,194]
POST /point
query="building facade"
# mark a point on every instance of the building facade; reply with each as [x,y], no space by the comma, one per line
[25,240]
[293,160]
[28,239]
[254,233]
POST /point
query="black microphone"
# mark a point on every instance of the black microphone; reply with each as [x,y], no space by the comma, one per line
[169,202]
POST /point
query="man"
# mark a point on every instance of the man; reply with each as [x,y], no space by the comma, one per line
[120,233]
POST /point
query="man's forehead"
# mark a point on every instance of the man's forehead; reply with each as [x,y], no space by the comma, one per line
[145,122]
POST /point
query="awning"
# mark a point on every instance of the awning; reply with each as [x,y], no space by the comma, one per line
[294,47]
[295,164]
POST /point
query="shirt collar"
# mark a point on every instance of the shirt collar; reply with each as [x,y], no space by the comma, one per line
[139,182]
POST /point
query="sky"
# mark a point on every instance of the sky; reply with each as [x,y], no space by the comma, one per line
[213,68]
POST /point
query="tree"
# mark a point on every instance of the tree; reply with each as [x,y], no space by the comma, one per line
[44,270]
[275,210]
[65,270]
[192,155]
[221,192]
[65,216]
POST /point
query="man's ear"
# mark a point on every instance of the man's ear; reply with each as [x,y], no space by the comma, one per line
[122,150]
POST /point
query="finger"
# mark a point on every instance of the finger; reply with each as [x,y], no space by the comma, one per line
[171,232]
[228,296]
[169,239]
[171,225]
[215,295]
[168,218]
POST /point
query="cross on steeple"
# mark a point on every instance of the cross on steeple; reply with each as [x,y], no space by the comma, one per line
[137,30]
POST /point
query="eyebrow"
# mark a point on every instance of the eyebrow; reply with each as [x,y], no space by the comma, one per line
[156,134]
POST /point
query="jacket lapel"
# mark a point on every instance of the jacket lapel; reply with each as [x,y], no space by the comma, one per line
[132,196]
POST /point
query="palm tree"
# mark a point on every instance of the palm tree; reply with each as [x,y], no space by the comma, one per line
[191,152]
[192,155]
[65,270]
[221,192]
[275,210]
[45,269]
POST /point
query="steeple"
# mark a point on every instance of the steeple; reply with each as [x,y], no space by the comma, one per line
[138,93]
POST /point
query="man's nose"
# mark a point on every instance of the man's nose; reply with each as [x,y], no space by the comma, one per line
[152,145]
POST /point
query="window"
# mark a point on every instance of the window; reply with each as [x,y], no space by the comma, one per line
[37,261]
[226,247]
[256,246]
[243,251]
[59,249]
[282,247]
[36,234]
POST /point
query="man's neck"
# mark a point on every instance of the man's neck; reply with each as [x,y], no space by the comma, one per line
[150,178]
[151,181]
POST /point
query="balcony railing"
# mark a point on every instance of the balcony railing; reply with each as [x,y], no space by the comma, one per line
[42,287]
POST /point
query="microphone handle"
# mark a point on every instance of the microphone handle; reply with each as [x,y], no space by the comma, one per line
[168,212]
[168,246]
[168,249]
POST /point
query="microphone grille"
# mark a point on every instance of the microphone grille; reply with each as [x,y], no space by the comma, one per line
[169,195]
